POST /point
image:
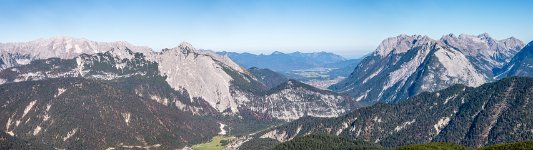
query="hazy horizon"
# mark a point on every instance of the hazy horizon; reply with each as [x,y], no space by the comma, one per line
[346,54]
[347,28]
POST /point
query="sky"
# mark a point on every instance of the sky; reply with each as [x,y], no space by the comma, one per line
[351,28]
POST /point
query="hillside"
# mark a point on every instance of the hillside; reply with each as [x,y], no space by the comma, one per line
[339,143]
[490,114]
[76,112]
[268,77]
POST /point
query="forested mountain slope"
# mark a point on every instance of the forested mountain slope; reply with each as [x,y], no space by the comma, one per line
[492,113]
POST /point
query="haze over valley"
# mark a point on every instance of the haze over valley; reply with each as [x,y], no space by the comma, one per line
[253,75]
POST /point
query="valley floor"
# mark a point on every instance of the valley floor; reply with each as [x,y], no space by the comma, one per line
[217,143]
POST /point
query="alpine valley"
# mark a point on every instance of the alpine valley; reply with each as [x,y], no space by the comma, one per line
[469,90]
[74,93]
[168,99]
[320,69]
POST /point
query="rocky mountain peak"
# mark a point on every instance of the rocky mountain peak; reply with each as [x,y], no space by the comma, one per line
[484,36]
[413,64]
[64,47]
[401,43]
[482,42]
[186,47]
[67,47]
[512,43]
[58,39]
[122,53]
[465,36]
[485,52]
[291,83]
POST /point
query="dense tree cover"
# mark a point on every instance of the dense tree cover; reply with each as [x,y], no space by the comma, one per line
[244,82]
[98,115]
[9,142]
[434,146]
[526,145]
[249,122]
[311,142]
[492,113]
[259,144]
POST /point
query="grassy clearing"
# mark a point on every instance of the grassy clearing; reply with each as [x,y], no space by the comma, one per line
[214,144]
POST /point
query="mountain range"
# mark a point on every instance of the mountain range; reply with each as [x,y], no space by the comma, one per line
[13,54]
[405,66]
[311,68]
[71,93]
[284,62]
[520,65]
[454,94]
[149,97]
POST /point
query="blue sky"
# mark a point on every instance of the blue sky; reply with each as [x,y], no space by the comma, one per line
[347,27]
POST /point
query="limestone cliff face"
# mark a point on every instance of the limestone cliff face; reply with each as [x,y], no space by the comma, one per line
[404,66]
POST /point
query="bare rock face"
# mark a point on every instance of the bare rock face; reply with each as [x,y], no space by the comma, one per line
[406,65]
[200,73]
[484,51]
[401,44]
[13,54]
